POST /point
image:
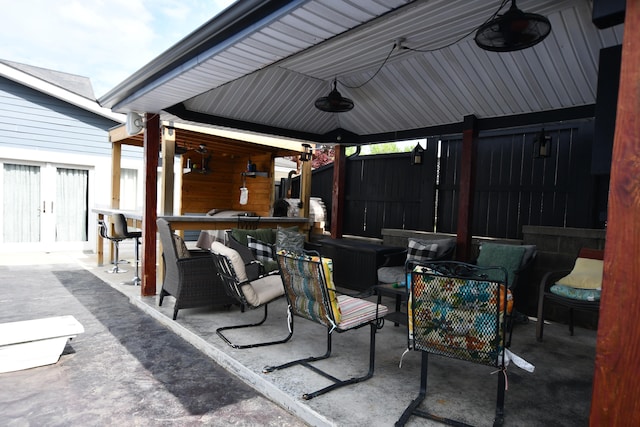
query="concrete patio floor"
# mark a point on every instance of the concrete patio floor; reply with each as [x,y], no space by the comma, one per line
[558,393]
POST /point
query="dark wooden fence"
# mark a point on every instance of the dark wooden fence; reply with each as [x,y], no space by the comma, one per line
[512,187]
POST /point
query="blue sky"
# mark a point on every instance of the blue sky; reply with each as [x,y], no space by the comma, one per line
[105,40]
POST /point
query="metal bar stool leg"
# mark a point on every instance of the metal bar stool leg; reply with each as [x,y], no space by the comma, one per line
[116,269]
[136,278]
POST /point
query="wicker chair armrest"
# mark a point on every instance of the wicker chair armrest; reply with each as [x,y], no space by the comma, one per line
[201,259]
[198,253]
[199,268]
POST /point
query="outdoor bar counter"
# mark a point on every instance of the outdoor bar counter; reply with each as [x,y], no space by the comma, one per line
[206,222]
[200,222]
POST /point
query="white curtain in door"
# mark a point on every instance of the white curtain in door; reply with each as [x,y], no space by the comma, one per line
[71,208]
[129,189]
[21,204]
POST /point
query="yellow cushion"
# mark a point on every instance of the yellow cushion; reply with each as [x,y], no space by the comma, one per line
[327,266]
[586,274]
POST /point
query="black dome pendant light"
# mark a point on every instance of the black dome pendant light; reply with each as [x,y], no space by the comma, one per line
[515,30]
[334,102]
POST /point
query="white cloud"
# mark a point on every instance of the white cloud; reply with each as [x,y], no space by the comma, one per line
[105,40]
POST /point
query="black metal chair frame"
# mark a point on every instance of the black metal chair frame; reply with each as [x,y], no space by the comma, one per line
[331,327]
[467,272]
[233,288]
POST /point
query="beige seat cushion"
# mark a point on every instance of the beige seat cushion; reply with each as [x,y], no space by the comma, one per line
[234,257]
[263,290]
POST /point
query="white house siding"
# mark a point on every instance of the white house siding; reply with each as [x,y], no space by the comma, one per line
[38,129]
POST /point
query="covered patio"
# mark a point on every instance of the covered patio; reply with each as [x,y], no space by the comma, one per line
[412,72]
[128,366]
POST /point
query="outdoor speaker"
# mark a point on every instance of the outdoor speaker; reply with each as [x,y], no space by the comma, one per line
[135,123]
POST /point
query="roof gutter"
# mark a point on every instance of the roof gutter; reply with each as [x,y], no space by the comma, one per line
[209,38]
[58,92]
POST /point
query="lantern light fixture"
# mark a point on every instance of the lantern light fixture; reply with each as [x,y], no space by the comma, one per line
[307,154]
[417,155]
[542,145]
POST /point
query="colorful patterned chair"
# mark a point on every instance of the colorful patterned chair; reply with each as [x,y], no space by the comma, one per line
[308,283]
[456,311]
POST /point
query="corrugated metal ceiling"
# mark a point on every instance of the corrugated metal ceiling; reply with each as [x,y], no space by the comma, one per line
[271,74]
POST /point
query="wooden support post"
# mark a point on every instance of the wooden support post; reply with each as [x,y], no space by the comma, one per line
[337,193]
[616,397]
[167,184]
[100,244]
[467,188]
[149,215]
[305,189]
[116,172]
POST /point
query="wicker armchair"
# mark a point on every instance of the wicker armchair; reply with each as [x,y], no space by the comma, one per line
[189,275]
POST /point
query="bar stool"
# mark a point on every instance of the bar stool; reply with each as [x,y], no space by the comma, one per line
[122,230]
[116,241]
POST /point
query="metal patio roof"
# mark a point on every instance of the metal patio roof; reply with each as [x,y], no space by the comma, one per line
[260,65]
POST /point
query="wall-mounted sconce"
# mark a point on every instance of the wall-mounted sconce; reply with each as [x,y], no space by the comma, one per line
[417,155]
[306,155]
[542,145]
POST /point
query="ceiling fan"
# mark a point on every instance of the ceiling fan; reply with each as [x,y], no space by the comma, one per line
[514,30]
[334,102]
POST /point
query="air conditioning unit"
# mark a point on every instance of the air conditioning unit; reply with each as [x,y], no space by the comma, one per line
[135,123]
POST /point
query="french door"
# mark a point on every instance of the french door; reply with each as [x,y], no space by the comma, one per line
[44,207]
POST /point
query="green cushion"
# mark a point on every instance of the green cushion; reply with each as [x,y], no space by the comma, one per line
[507,256]
[266,235]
